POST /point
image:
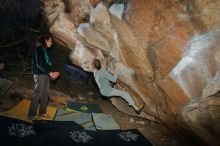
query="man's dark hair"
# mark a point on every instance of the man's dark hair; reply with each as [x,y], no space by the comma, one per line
[97,64]
[44,37]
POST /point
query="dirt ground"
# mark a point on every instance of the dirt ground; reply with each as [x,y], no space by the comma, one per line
[77,88]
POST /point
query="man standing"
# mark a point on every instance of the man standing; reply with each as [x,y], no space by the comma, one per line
[41,67]
[103,79]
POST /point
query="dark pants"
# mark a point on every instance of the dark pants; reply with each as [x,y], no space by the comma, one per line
[41,95]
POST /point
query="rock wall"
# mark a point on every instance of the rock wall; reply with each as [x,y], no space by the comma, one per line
[168,49]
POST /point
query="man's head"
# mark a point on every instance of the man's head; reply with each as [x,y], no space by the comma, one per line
[46,40]
[97,64]
[2,66]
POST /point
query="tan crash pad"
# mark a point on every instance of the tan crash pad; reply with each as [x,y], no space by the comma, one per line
[20,111]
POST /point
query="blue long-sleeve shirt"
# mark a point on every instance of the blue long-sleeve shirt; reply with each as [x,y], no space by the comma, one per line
[40,62]
[103,78]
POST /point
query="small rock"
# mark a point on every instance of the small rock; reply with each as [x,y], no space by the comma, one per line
[140,122]
[91,93]
[81,98]
[131,120]
[72,99]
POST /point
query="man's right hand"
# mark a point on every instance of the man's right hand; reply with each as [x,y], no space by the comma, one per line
[54,75]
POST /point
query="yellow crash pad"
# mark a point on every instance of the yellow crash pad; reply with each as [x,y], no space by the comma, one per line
[20,111]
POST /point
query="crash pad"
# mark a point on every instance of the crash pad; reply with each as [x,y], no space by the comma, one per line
[20,111]
[104,122]
[76,137]
[4,85]
[84,107]
[129,137]
[15,132]
[83,119]
[60,133]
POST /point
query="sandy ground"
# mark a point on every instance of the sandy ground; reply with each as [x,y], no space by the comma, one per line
[82,90]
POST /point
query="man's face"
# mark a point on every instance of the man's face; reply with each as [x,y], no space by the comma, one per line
[48,42]
[2,66]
